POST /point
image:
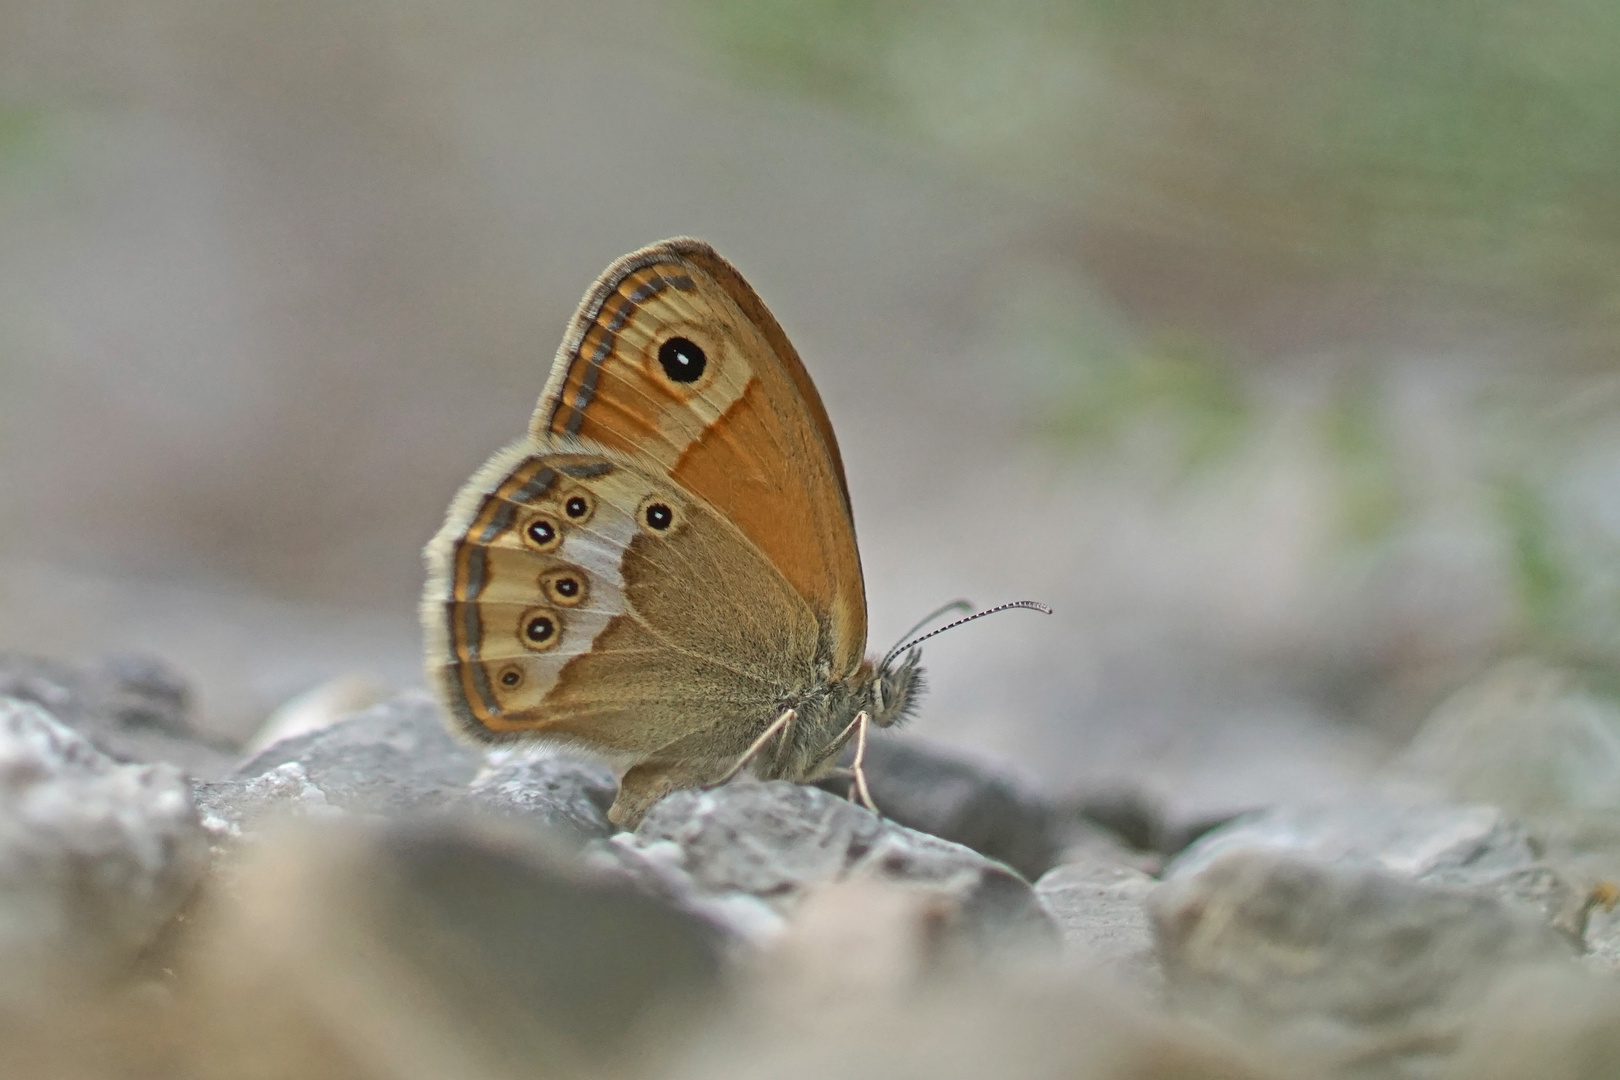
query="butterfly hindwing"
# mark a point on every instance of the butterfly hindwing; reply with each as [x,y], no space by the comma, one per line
[623,625]
[508,553]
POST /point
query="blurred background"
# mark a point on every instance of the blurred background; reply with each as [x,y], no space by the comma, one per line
[1268,344]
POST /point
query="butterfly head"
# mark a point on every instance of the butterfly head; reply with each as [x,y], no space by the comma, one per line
[896,687]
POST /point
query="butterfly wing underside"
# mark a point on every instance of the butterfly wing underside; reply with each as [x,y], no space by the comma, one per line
[750,435]
[660,554]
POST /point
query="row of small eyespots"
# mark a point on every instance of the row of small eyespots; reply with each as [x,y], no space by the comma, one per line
[544,533]
[541,628]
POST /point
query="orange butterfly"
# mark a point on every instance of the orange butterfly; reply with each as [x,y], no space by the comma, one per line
[663,570]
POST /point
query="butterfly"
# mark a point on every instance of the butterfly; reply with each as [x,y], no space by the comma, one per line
[663,570]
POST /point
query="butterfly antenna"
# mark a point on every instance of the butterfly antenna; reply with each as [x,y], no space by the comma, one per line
[905,645]
[943,609]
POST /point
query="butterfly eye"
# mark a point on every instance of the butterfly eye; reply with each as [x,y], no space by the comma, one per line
[543,533]
[511,677]
[682,360]
[579,506]
[564,587]
[539,629]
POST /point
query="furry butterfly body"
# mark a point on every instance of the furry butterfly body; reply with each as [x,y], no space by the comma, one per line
[663,570]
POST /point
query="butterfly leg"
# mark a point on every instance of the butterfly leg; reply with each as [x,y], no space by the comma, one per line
[857,771]
[639,788]
[858,766]
[780,724]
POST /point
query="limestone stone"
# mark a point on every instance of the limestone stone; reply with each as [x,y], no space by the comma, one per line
[1099,907]
[1471,846]
[132,708]
[568,794]
[441,947]
[773,841]
[1352,970]
[95,856]
[392,759]
[957,798]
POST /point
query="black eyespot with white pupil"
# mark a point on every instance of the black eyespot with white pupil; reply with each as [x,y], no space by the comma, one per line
[682,360]
[576,507]
[542,532]
[565,588]
[511,677]
[658,516]
[540,629]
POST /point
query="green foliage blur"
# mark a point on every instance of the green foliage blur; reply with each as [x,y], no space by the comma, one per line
[1193,397]
[1473,141]
[1462,155]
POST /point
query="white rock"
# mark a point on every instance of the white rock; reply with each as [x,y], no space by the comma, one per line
[95,857]
[1352,971]
[1468,846]
[1526,736]
[1413,840]
[1099,908]
[777,841]
[317,708]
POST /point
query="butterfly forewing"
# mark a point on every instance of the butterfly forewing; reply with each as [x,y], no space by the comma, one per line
[745,432]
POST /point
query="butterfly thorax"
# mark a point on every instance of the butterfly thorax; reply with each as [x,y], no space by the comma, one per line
[824,714]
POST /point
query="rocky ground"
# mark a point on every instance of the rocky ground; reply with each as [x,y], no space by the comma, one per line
[371,898]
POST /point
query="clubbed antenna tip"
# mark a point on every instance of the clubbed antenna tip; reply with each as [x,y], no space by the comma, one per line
[955,605]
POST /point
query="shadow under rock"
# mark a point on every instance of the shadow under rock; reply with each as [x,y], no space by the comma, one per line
[955,798]
[449,947]
[133,708]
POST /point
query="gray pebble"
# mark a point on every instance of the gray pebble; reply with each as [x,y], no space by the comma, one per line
[132,708]
[775,840]
[1355,971]
[95,856]
[950,796]
[1099,907]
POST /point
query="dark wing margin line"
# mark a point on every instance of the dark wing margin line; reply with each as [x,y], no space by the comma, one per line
[605,346]
[469,568]
[711,262]
[588,315]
